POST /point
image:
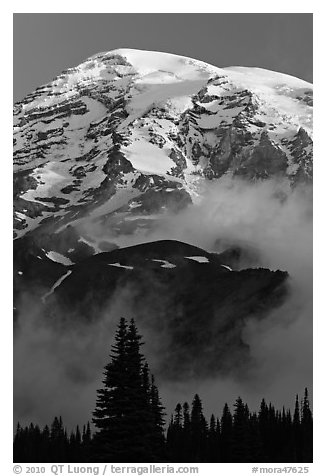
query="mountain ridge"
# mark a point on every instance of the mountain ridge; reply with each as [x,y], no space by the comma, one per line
[191,300]
[107,151]
[126,126]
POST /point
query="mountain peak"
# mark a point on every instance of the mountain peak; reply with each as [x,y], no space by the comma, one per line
[141,130]
[145,61]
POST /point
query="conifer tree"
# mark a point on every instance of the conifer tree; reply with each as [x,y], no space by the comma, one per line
[254,443]
[45,445]
[86,443]
[58,441]
[297,431]
[226,435]
[178,418]
[18,447]
[127,420]
[240,434]
[213,441]
[307,430]
[175,436]
[185,446]
[158,440]
[264,429]
[198,431]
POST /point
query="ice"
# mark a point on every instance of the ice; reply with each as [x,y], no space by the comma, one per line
[20,216]
[32,223]
[144,99]
[147,157]
[213,106]
[147,62]
[59,258]
[50,179]
[162,77]
[226,267]
[279,90]
[199,259]
[133,205]
[258,77]
[96,110]
[81,239]
[56,284]
[124,193]
[118,265]
[166,264]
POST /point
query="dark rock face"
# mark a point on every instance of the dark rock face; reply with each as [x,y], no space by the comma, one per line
[307,97]
[232,154]
[264,161]
[301,148]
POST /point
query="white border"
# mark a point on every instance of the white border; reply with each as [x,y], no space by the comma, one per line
[167,6]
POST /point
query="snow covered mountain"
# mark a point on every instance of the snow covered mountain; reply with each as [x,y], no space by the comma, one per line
[128,135]
[113,147]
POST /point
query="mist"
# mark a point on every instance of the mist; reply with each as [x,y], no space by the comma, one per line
[276,221]
[58,369]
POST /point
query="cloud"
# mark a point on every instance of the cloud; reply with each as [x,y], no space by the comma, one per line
[277,222]
[58,369]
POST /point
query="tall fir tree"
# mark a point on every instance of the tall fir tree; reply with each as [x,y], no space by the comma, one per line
[111,399]
[264,428]
[240,434]
[226,435]
[175,436]
[307,429]
[158,438]
[254,443]
[198,431]
[297,434]
[213,441]
[124,415]
[186,434]
[58,440]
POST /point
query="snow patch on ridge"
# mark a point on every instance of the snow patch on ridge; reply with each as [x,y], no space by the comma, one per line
[199,259]
[166,264]
[56,284]
[226,267]
[147,62]
[59,258]
[146,157]
[278,90]
[118,265]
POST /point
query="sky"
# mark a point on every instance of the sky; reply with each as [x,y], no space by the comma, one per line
[44,44]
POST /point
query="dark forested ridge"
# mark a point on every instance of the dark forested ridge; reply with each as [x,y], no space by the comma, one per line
[129,421]
[199,301]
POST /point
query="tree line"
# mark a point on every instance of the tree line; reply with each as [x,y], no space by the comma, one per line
[129,421]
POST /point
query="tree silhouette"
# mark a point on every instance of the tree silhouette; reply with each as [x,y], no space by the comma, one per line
[198,431]
[307,429]
[213,440]
[128,414]
[240,434]
[226,435]
[297,431]
[129,421]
